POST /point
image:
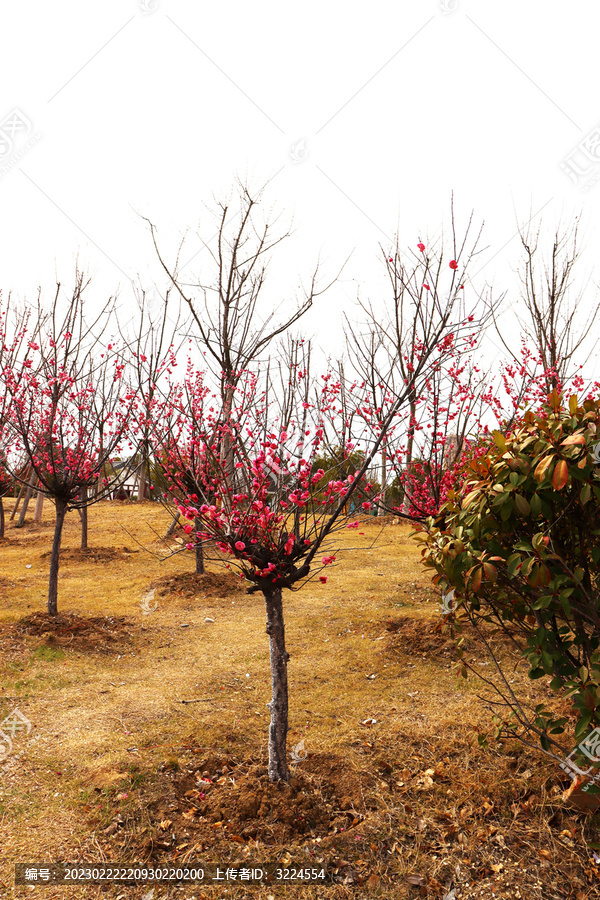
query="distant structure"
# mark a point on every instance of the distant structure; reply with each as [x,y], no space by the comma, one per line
[452,450]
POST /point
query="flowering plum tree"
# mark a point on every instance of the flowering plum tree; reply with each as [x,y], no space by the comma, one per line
[426,317]
[65,438]
[275,516]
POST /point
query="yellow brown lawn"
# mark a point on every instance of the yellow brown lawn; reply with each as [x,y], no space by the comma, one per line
[132,706]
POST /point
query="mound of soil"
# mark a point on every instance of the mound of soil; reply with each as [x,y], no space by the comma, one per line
[101,633]
[188,584]
[419,637]
[238,801]
[93,554]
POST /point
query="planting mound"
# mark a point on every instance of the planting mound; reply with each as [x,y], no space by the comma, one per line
[188,584]
[419,636]
[100,633]
[239,803]
[93,554]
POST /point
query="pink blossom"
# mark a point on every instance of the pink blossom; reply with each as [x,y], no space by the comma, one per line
[240,545]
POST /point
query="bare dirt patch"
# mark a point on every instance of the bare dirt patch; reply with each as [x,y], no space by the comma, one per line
[188,584]
[421,637]
[98,633]
[93,554]
[235,801]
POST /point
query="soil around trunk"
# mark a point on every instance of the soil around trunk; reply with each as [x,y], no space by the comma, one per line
[104,634]
[237,799]
[189,584]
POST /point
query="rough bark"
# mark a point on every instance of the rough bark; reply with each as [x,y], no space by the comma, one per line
[39,507]
[142,481]
[278,729]
[26,500]
[61,509]
[1,518]
[199,550]
[83,512]
[22,490]
[172,526]
[409,452]
[381,510]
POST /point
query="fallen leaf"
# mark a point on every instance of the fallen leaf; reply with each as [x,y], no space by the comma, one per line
[418,880]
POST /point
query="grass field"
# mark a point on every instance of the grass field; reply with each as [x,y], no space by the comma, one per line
[149,729]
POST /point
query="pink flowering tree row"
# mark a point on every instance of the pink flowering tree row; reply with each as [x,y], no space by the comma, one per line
[57,427]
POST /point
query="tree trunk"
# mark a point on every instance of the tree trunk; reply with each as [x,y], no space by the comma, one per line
[381,510]
[83,512]
[142,484]
[39,506]
[22,490]
[172,526]
[278,729]
[26,500]
[61,509]
[199,551]
[409,454]
[1,518]
[227,448]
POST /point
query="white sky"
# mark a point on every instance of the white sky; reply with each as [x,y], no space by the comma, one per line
[154,107]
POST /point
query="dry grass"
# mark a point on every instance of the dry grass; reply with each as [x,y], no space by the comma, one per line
[403,806]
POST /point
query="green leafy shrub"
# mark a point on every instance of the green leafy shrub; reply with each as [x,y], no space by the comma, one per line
[520,545]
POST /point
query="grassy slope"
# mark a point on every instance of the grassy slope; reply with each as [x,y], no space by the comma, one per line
[430,806]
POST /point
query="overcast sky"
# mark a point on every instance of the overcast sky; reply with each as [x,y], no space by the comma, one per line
[362,118]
